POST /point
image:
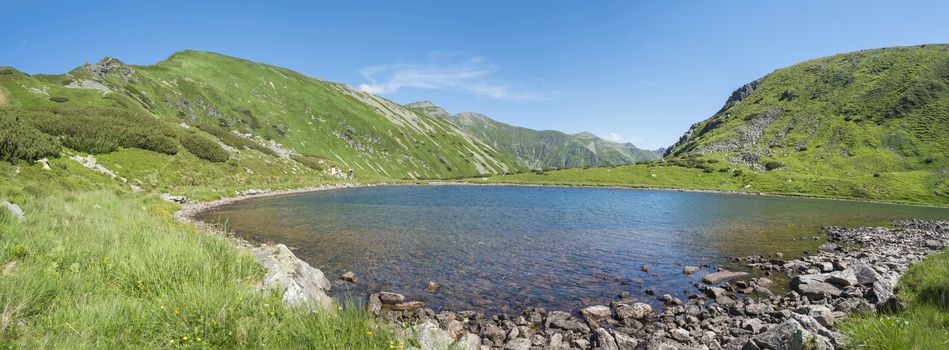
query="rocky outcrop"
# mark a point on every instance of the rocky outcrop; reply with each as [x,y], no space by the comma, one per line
[300,284]
[90,162]
[15,210]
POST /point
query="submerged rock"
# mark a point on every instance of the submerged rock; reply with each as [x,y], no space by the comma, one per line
[300,284]
[349,276]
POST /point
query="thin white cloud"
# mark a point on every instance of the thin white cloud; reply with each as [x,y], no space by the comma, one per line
[619,138]
[473,75]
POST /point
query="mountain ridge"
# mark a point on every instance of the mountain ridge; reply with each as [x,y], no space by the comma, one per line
[541,149]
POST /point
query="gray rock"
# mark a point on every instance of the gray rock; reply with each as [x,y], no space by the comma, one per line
[433,286]
[494,333]
[518,344]
[300,284]
[406,306]
[818,290]
[688,270]
[625,342]
[593,315]
[865,274]
[789,335]
[605,340]
[14,210]
[391,298]
[753,324]
[844,278]
[680,335]
[823,314]
[636,311]
[374,304]
[724,275]
[563,320]
[469,341]
[430,337]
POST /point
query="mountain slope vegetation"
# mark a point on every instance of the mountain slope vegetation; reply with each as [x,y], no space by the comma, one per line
[541,149]
[871,124]
[293,115]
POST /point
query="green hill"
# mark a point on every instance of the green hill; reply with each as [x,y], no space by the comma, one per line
[871,124]
[301,120]
[866,112]
[541,149]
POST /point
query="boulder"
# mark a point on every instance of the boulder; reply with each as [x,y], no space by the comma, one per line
[429,336]
[789,335]
[406,306]
[636,311]
[625,342]
[15,210]
[865,274]
[818,290]
[300,284]
[843,278]
[593,315]
[563,320]
[724,275]
[605,340]
[688,270]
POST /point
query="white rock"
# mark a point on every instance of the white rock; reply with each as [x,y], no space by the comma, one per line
[300,284]
[15,210]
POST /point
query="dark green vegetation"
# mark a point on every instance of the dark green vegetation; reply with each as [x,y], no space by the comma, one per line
[541,149]
[924,324]
[870,125]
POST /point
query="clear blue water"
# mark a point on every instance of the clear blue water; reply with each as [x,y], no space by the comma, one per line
[502,249]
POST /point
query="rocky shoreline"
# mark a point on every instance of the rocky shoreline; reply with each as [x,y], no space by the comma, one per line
[856,270]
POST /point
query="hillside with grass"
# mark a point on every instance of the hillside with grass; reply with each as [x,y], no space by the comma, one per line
[541,149]
[233,101]
[871,124]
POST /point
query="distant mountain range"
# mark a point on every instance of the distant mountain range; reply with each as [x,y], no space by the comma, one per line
[541,149]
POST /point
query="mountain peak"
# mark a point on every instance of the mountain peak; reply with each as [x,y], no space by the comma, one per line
[429,108]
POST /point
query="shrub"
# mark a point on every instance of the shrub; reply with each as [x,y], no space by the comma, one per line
[102,130]
[772,165]
[58,99]
[203,148]
[20,141]
[737,173]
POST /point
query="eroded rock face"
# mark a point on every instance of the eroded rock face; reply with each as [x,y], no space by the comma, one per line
[300,284]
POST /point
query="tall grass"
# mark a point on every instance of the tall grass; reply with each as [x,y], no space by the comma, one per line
[105,270]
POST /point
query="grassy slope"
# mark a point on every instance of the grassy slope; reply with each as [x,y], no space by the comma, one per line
[373,136]
[541,149]
[96,266]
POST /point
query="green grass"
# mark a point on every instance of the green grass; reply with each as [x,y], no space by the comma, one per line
[95,266]
[924,324]
[913,187]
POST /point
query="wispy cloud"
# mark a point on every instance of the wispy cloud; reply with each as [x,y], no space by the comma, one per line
[619,138]
[474,75]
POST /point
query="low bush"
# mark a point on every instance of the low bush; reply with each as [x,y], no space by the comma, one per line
[59,99]
[102,130]
[203,148]
[20,141]
[772,165]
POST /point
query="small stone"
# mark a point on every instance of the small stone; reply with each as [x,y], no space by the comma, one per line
[644,268]
[688,270]
[595,314]
[636,311]
[349,276]
[391,298]
[433,286]
[407,306]
[680,335]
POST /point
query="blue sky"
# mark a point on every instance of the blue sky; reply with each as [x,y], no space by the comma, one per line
[627,70]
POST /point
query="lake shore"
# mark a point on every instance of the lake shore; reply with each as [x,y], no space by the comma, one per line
[859,272]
